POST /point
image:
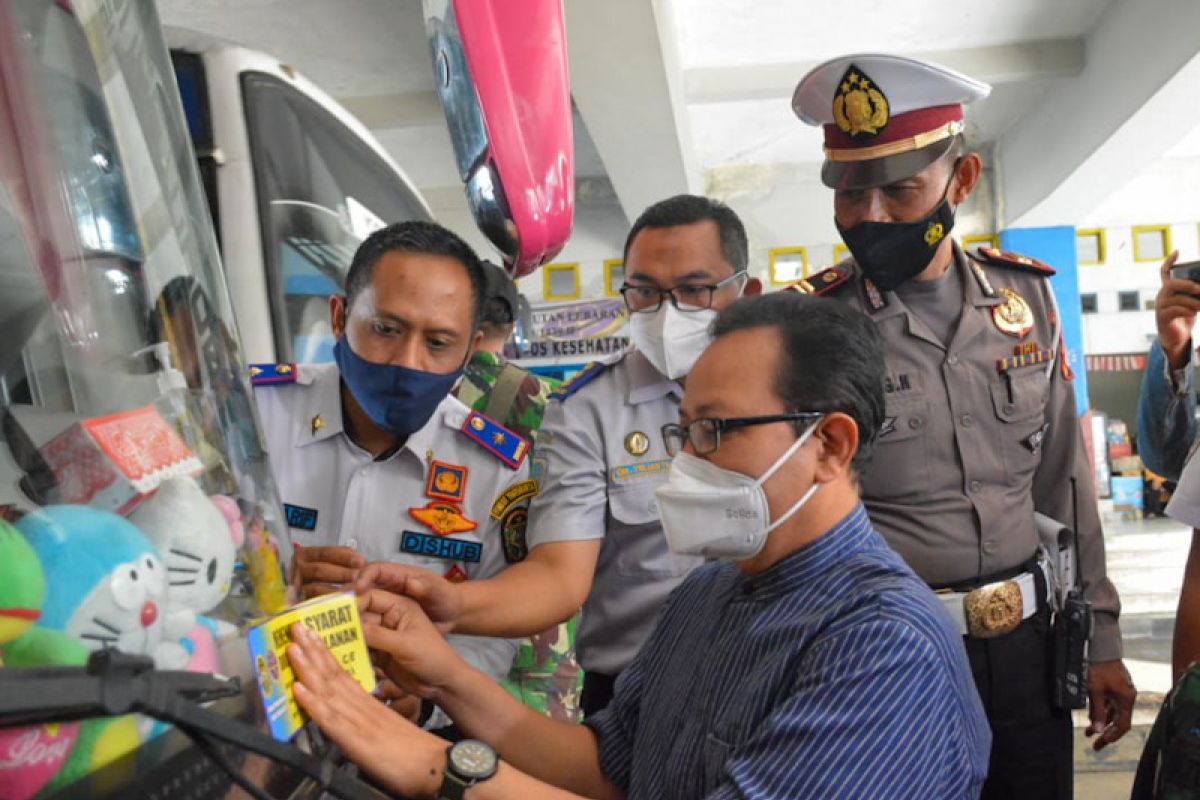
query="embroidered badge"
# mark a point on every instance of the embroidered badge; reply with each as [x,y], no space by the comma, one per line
[424,544]
[442,518]
[513,495]
[446,482]
[455,574]
[860,109]
[300,517]
[624,472]
[512,530]
[1024,360]
[496,439]
[262,374]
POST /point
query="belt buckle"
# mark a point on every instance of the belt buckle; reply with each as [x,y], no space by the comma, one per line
[994,610]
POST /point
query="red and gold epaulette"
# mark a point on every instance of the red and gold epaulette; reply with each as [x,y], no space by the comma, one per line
[1003,258]
[826,280]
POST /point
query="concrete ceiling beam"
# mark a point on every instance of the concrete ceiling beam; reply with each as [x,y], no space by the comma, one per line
[1088,137]
[999,64]
[625,82]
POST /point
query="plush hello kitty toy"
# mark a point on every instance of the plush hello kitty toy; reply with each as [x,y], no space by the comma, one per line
[199,542]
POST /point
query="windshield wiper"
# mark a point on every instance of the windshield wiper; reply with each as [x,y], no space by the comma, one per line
[115,683]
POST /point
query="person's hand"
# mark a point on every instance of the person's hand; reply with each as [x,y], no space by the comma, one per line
[1110,704]
[438,597]
[401,702]
[324,570]
[1175,309]
[399,755]
[408,647]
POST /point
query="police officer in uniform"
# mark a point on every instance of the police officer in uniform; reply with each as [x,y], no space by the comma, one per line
[980,429]
[374,458]
[594,535]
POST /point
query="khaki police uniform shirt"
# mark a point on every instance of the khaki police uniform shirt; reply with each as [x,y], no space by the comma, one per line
[969,452]
[599,457]
[335,493]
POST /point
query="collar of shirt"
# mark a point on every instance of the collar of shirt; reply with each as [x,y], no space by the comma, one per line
[486,358]
[325,402]
[975,294]
[646,383]
[849,536]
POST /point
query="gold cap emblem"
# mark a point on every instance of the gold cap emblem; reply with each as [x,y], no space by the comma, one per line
[860,109]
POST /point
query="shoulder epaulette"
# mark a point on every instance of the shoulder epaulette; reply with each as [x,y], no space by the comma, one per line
[263,374]
[509,447]
[577,381]
[824,281]
[1003,258]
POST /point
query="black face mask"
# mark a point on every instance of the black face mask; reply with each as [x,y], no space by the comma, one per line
[889,253]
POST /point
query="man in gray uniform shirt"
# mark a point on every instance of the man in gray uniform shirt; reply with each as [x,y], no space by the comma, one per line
[594,535]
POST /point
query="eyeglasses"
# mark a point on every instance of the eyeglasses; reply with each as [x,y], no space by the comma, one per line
[697,297]
[705,433]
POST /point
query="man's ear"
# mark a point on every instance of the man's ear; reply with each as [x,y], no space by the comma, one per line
[337,315]
[838,435]
[476,340]
[967,175]
[753,287]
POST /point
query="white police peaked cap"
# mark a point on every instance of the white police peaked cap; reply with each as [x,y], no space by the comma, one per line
[885,117]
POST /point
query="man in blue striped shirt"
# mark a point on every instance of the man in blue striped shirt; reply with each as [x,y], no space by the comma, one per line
[806,661]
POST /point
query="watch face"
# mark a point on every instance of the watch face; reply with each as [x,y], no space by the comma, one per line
[473,760]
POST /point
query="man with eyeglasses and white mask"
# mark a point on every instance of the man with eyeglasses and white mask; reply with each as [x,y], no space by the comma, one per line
[805,661]
[594,535]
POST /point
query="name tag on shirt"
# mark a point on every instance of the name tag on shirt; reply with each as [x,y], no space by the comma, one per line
[424,544]
[300,517]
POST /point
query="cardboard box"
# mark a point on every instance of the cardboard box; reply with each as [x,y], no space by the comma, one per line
[1127,496]
[115,462]
[335,617]
[1127,465]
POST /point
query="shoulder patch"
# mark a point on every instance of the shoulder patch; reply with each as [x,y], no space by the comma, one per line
[496,439]
[1003,258]
[826,280]
[263,374]
[577,381]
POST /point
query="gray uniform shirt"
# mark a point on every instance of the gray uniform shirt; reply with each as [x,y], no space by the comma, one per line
[599,457]
[969,451]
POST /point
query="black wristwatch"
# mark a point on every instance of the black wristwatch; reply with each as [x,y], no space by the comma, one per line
[467,763]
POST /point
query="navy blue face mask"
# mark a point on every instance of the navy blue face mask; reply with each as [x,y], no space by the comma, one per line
[398,399]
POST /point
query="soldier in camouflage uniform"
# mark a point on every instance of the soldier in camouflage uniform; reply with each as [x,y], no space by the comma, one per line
[544,676]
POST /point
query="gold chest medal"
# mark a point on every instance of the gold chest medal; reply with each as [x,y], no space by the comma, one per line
[1013,316]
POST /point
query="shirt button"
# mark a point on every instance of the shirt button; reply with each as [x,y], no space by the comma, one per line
[952,360]
[362,471]
[352,544]
[915,423]
[976,486]
[1009,408]
[967,421]
[989,548]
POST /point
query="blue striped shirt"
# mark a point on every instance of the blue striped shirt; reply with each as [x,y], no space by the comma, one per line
[835,673]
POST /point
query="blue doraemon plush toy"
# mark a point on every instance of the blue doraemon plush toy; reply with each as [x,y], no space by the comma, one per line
[106,585]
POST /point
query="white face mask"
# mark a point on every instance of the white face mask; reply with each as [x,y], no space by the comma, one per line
[714,512]
[670,339]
